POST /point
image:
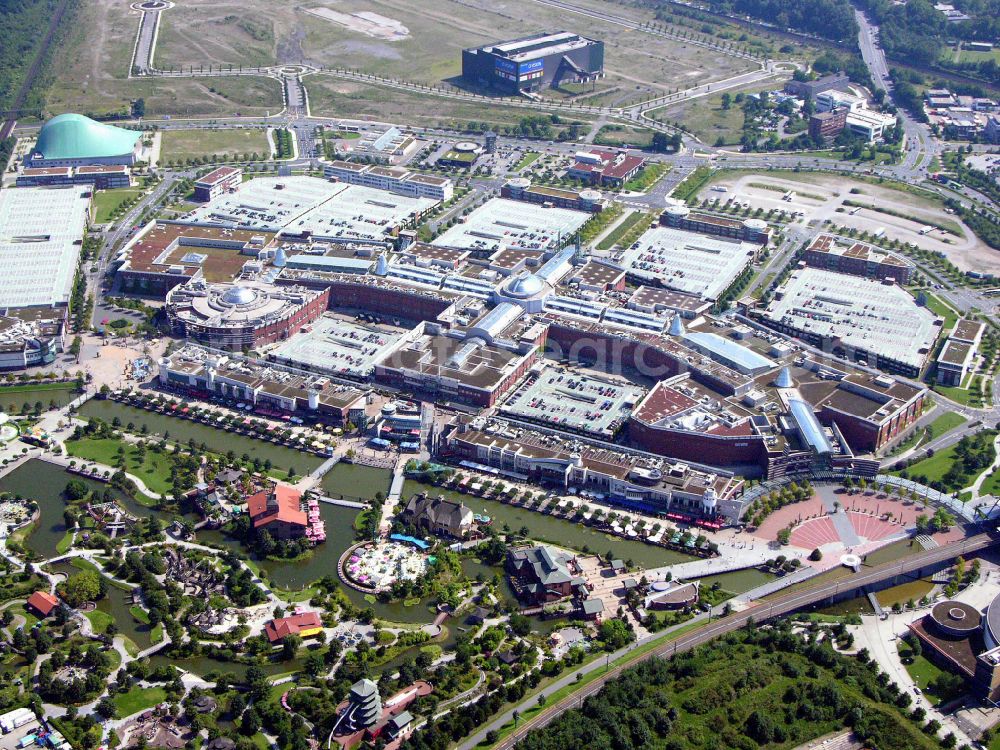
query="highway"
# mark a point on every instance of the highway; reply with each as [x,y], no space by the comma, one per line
[920,149]
[781,605]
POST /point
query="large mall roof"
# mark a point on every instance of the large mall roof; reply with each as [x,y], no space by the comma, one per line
[77,137]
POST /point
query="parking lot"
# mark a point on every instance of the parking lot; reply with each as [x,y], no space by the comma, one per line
[878,209]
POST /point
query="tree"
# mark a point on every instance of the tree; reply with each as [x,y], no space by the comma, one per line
[290,646]
[727,100]
[106,707]
[85,586]
[816,555]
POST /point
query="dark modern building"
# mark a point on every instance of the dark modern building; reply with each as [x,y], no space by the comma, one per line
[828,124]
[534,62]
[809,89]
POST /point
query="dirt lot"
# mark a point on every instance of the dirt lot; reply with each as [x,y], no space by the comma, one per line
[430,47]
[332,97]
[822,199]
[93,68]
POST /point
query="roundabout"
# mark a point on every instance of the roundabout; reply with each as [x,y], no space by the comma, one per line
[152,5]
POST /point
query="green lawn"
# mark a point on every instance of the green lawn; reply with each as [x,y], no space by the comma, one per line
[945,422]
[99,620]
[935,467]
[154,470]
[647,177]
[184,145]
[615,235]
[139,699]
[938,307]
[527,160]
[965,396]
[106,202]
[923,673]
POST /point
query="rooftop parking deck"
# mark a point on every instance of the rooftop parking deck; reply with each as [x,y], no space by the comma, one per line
[41,232]
[310,204]
[503,223]
[574,401]
[868,315]
[687,262]
[338,346]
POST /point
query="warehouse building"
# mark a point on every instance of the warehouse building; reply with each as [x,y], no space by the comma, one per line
[41,234]
[534,62]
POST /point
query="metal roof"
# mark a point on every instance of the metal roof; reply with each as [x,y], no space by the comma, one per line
[809,426]
[729,352]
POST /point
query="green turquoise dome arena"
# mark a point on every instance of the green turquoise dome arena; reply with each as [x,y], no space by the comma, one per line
[72,140]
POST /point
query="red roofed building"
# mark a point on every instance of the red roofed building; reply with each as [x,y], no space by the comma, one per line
[302,624]
[42,602]
[279,510]
[600,167]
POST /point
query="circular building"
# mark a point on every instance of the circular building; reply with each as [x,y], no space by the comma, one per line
[527,290]
[991,624]
[956,619]
[72,140]
[229,316]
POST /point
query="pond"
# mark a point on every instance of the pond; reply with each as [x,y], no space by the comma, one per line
[218,441]
[44,483]
[557,531]
[297,575]
[738,581]
[13,398]
[117,604]
[356,482]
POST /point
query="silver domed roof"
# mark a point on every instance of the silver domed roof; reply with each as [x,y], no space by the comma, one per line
[525,286]
[239,295]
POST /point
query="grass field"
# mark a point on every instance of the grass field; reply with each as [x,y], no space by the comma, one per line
[934,467]
[92,64]
[527,160]
[945,422]
[106,202]
[706,118]
[154,471]
[333,97]
[139,699]
[194,144]
[964,394]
